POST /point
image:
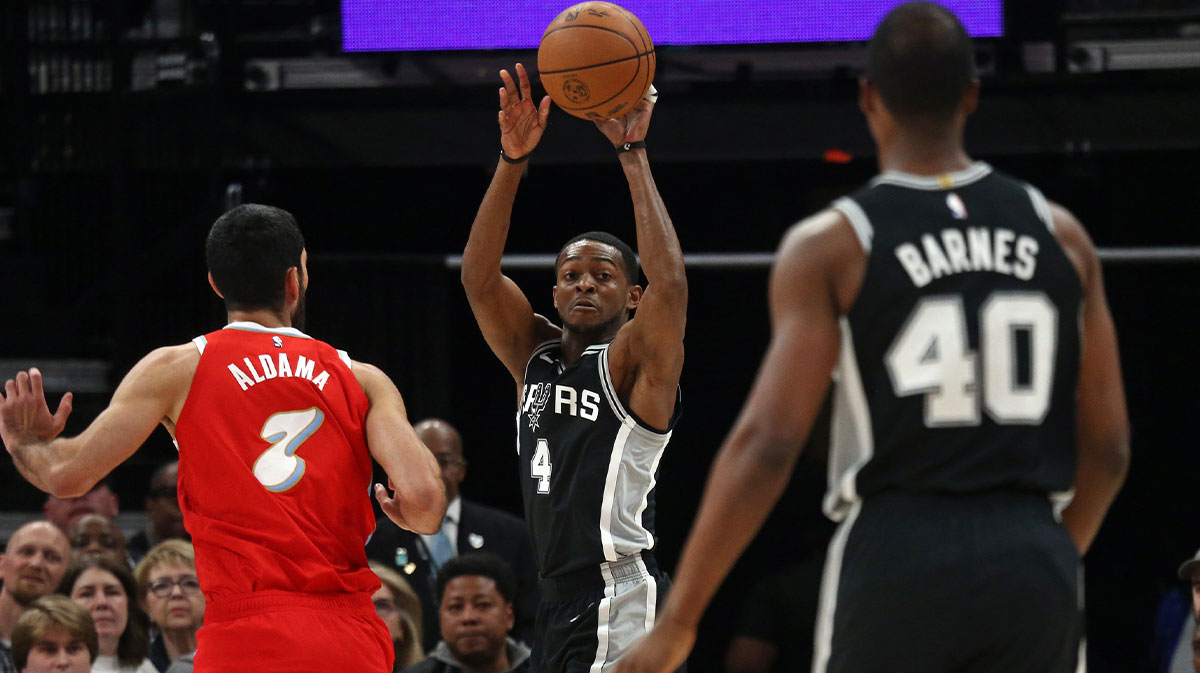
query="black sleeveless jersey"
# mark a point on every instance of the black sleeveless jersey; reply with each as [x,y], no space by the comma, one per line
[960,357]
[587,465]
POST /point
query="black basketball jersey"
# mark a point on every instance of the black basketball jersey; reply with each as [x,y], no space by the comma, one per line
[587,465]
[960,357]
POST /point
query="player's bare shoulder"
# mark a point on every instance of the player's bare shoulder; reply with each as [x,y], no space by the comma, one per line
[1075,242]
[375,383]
[824,246]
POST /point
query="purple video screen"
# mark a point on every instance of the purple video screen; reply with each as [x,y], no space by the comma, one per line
[424,25]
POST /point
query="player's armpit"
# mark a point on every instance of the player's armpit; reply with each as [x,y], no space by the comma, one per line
[419,503]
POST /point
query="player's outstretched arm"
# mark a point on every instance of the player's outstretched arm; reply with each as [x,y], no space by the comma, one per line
[503,312]
[152,392]
[419,502]
[755,462]
[652,344]
[1102,423]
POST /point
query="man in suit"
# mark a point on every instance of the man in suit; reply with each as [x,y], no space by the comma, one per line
[469,527]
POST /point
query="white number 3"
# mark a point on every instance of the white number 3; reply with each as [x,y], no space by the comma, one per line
[278,468]
[541,467]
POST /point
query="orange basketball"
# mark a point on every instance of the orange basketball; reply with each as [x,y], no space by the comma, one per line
[596,60]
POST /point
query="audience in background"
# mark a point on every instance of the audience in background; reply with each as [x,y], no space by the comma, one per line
[468,527]
[97,535]
[107,590]
[64,512]
[476,613]
[54,636]
[31,566]
[164,521]
[170,594]
[399,607]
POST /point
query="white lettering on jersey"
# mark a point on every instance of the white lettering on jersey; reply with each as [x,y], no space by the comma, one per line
[1000,250]
[565,396]
[568,401]
[280,367]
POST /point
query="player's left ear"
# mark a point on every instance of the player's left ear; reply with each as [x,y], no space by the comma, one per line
[634,298]
[509,616]
[291,286]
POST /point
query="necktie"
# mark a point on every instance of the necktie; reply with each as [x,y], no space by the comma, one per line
[441,549]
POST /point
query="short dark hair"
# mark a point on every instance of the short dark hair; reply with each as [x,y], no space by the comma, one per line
[627,256]
[49,613]
[249,250]
[922,61]
[483,564]
[134,644]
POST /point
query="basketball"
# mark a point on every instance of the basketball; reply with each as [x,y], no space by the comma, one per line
[596,60]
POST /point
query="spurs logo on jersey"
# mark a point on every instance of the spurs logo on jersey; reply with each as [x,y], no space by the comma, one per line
[535,402]
[568,401]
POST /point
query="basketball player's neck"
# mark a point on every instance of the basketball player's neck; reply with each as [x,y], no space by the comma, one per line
[574,343]
[923,154]
[263,317]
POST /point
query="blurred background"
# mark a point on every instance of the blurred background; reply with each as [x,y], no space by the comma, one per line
[128,127]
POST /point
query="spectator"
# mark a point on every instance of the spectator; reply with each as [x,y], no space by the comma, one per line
[476,613]
[1175,621]
[164,520]
[31,566]
[97,535]
[170,593]
[64,512]
[106,589]
[399,607]
[468,527]
[54,636]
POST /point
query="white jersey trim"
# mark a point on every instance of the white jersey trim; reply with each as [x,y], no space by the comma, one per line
[830,578]
[973,173]
[858,220]
[1041,206]
[852,441]
[250,326]
[610,491]
[346,358]
[200,342]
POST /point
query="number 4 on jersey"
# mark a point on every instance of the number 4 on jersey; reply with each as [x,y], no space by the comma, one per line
[278,468]
[541,467]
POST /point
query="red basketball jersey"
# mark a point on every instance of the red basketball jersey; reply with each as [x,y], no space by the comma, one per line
[274,471]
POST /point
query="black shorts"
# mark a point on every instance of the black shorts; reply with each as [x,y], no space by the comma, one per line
[926,583]
[584,623]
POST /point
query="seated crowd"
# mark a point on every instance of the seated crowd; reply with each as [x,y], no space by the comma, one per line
[77,596]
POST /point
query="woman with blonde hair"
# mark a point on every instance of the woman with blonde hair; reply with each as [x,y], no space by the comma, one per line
[170,594]
[54,635]
[398,606]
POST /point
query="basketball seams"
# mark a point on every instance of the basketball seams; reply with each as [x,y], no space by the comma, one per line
[610,98]
[592,65]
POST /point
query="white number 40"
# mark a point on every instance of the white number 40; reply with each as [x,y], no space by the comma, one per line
[541,467]
[930,357]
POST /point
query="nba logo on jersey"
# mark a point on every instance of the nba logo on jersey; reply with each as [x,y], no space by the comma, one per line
[956,206]
[277,341]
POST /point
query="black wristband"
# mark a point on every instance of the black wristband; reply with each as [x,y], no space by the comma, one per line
[518,160]
[636,145]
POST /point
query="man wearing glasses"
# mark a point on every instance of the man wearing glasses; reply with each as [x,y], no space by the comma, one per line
[468,527]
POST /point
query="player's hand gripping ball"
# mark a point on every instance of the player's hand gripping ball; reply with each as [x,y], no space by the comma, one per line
[596,60]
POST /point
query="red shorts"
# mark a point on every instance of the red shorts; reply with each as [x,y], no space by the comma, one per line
[280,632]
